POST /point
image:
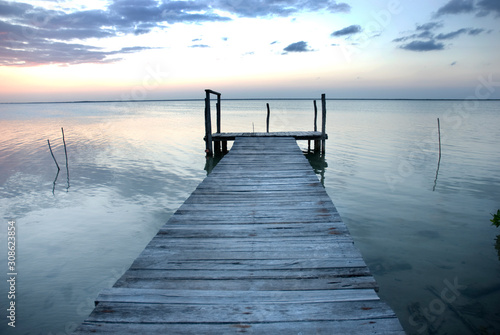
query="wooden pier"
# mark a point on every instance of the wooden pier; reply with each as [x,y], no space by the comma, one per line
[220,139]
[257,248]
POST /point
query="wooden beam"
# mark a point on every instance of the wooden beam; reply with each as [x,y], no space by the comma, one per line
[315,116]
[208,127]
[212,91]
[268,116]
[323,123]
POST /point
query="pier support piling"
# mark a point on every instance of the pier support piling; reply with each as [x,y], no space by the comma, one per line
[208,122]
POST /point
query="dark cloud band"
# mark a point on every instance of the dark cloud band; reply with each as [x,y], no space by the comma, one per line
[32,35]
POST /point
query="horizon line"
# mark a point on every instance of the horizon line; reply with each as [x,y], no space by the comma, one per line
[242,99]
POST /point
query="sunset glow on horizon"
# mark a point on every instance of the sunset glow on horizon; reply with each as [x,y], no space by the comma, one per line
[149,49]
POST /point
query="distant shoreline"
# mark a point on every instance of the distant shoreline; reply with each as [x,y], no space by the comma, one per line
[235,99]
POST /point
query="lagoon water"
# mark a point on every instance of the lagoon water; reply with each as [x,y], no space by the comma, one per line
[422,224]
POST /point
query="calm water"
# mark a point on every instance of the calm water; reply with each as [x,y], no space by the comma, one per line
[428,240]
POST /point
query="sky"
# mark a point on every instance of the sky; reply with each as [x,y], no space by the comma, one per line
[65,50]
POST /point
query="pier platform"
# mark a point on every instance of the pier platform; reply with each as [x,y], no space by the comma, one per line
[257,248]
[298,135]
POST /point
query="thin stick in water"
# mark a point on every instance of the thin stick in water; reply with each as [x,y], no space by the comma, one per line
[58,168]
[66,153]
[439,134]
[439,159]
[64,142]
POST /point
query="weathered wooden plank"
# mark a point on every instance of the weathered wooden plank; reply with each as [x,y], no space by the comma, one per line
[328,242]
[387,326]
[245,313]
[208,220]
[260,264]
[245,181]
[196,297]
[144,279]
[248,274]
[271,231]
[178,219]
[209,254]
[252,199]
[202,204]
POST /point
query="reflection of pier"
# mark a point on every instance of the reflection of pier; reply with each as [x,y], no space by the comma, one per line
[258,247]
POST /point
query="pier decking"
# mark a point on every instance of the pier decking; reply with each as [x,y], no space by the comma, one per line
[257,248]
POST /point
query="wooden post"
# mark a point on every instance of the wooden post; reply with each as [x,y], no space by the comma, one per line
[217,143]
[268,115]
[323,123]
[315,116]
[208,125]
[208,122]
[219,120]
[218,113]
[224,147]
[317,144]
[217,147]
[315,126]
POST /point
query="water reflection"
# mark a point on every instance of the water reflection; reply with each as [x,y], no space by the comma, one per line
[55,180]
[212,162]
[57,176]
[318,163]
[497,246]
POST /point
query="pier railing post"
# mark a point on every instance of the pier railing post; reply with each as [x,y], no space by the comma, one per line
[218,113]
[217,148]
[315,116]
[268,116]
[315,127]
[323,123]
[208,125]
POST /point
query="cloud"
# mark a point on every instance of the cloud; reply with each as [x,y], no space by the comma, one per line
[339,8]
[61,53]
[430,26]
[297,47]
[488,6]
[475,32]
[456,7]
[199,46]
[421,46]
[63,36]
[452,35]
[354,29]
[9,9]
[424,37]
[32,35]
[259,8]
[482,8]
